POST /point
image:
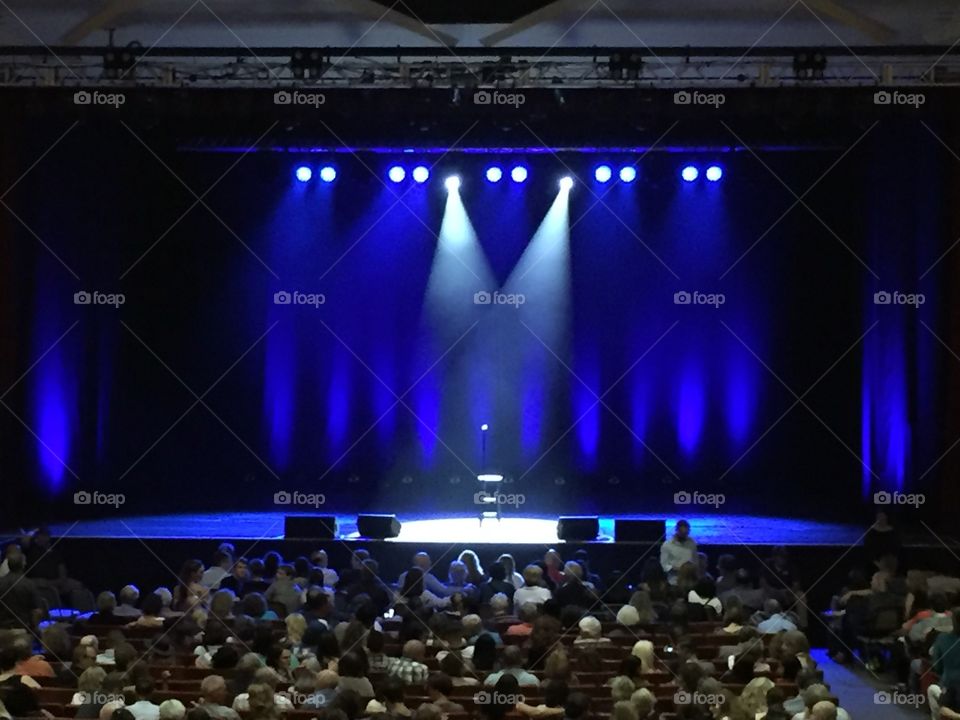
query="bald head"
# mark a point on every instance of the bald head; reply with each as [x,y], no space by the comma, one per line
[422,561]
[824,710]
[327,679]
[414,650]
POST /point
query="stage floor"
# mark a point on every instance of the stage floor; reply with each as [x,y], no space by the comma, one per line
[707,529]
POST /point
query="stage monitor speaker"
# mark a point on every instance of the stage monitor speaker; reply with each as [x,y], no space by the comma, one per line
[378,527]
[310,527]
[578,528]
[643,531]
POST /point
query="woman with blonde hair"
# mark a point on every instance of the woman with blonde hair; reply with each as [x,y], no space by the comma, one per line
[296,627]
[89,683]
[643,649]
[753,699]
[262,703]
[645,702]
[475,574]
[557,667]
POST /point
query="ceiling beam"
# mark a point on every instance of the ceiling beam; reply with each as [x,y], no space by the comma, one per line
[381,13]
[547,13]
[868,26]
[109,12]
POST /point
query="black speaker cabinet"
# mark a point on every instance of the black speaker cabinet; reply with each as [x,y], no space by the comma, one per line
[578,528]
[378,527]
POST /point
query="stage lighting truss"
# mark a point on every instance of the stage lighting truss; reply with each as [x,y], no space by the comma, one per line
[121,63]
[472,69]
[308,64]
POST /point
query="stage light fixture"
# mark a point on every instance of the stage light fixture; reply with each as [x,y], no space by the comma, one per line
[420,174]
[452,183]
[396,174]
[484,427]
[494,174]
[714,173]
[328,173]
[628,173]
[566,182]
[603,174]
[518,174]
[689,173]
[304,174]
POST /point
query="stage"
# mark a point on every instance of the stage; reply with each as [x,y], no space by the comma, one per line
[707,529]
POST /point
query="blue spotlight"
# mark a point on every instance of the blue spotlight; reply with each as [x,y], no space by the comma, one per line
[452,183]
[328,173]
[714,173]
[603,173]
[494,174]
[690,173]
[484,427]
[304,173]
[396,174]
[518,174]
[628,173]
[420,174]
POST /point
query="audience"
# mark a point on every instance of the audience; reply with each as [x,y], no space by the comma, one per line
[269,635]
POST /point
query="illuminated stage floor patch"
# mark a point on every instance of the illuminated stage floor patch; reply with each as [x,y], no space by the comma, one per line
[471,530]
[707,529]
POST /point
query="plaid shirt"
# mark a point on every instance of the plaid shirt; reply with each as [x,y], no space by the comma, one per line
[410,672]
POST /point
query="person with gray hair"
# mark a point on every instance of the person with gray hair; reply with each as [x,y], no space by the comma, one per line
[817,694]
[500,606]
[213,696]
[824,710]
[129,596]
[264,677]
[172,710]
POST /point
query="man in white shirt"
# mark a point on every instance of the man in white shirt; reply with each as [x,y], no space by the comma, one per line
[678,550]
[320,560]
[221,567]
[533,591]
[144,709]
